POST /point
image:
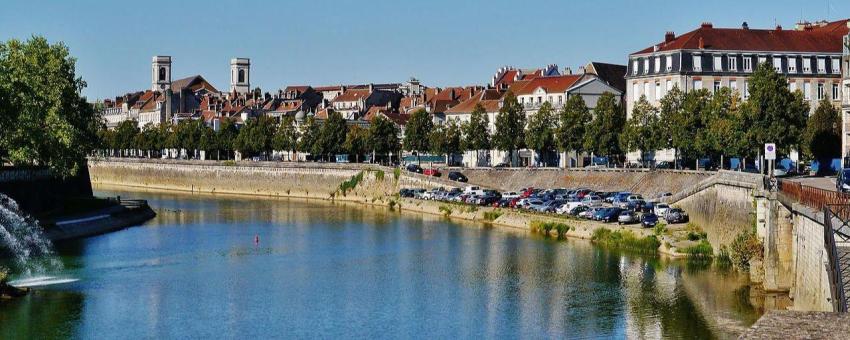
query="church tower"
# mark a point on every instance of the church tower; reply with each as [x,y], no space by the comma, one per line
[240,75]
[160,73]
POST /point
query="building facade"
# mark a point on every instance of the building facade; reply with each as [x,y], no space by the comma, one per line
[809,56]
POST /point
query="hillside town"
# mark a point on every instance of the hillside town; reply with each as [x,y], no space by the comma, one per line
[812,56]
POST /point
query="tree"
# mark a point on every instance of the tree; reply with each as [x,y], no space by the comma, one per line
[148,138]
[572,120]
[476,132]
[510,126]
[309,136]
[772,114]
[823,134]
[357,142]
[640,133]
[602,135]
[670,108]
[688,123]
[540,133]
[723,134]
[286,136]
[125,136]
[255,136]
[332,134]
[383,137]
[44,120]
[207,142]
[226,135]
[417,131]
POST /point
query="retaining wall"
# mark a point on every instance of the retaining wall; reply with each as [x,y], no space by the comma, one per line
[36,190]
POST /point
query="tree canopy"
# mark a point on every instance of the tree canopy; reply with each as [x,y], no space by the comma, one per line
[602,135]
[772,113]
[641,131]
[823,133]
[510,126]
[417,132]
[540,134]
[572,122]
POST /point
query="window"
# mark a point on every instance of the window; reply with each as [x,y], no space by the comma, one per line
[241,76]
[821,65]
[836,65]
[646,91]
[635,92]
[733,84]
[669,63]
[792,86]
[717,85]
[658,94]
[807,65]
[657,64]
[733,63]
[777,64]
[634,67]
[668,85]
[697,63]
[560,100]
[718,63]
[807,90]
[646,65]
[835,92]
[792,64]
[746,89]
[549,99]
[522,100]
[162,74]
[748,63]
[820,91]
[762,60]
[697,84]
[539,100]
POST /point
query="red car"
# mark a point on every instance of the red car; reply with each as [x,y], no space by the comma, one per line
[524,193]
[432,172]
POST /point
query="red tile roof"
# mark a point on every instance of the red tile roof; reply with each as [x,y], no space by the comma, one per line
[827,38]
[489,98]
[549,84]
[352,95]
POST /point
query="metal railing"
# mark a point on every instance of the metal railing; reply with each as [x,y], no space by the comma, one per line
[816,198]
[839,257]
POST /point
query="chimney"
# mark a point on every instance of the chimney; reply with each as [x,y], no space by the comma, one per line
[745,26]
[568,71]
[371,87]
[701,43]
[669,36]
[706,24]
[582,70]
[778,27]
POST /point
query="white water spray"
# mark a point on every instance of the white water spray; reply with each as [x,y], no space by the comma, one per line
[24,240]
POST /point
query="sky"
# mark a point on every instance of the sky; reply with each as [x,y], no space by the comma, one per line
[318,42]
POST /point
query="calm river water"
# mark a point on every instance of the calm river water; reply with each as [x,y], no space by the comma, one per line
[326,270]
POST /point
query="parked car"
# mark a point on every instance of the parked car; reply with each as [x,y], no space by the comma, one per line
[457,176]
[649,220]
[510,194]
[501,165]
[664,196]
[577,211]
[432,172]
[414,168]
[534,204]
[676,215]
[592,201]
[627,217]
[661,209]
[610,214]
[417,193]
[405,192]
[842,183]
[580,193]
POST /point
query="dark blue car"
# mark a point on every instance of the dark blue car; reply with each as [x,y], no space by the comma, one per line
[610,215]
[649,220]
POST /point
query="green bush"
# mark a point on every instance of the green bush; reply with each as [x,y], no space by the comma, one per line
[445,210]
[229,163]
[723,258]
[659,229]
[351,183]
[703,249]
[4,274]
[744,249]
[379,175]
[546,227]
[492,215]
[625,240]
[392,204]
[396,174]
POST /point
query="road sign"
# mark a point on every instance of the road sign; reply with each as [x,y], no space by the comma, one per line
[770,151]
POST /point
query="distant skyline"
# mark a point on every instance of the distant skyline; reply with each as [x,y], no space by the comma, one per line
[440,42]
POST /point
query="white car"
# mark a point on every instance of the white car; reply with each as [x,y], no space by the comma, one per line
[633,198]
[510,195]
[661,209]
[567,207]
[591,201]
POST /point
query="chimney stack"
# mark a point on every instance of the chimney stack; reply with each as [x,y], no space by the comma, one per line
[669,36]
[706,24]
[745,26]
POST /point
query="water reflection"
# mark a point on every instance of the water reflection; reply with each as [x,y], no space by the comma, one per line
[335,270]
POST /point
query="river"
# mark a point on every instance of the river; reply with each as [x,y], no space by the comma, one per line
[323,270]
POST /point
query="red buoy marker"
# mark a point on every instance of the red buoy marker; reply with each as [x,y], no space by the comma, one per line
[257,239]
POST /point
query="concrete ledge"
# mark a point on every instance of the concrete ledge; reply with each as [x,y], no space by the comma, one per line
[800,325]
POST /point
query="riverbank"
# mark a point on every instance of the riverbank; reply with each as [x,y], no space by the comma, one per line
[123,214]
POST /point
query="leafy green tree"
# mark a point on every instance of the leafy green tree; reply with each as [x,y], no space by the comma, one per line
[723,134]
[332,135]
[286,136]
[640,133]
[572,122]
[417,132]
[823,134]
[446,139]
[207,142]
[602,136]
[44,120]
[510,126]
[689,123]
[540,133]
[226,135]
[308,143]
[772,114]
[383,137]
[255,136]
[357,142]
[476,132]
[671,106]
[125,136]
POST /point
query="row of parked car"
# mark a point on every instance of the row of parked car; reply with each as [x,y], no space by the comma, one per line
[620,207]
[453,175]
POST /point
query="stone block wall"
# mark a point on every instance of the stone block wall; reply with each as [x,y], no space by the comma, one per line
[723,211]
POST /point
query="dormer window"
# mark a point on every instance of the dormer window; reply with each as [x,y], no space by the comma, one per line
[634,67]
[807,65]
[718,63]
[646,66]
[836,65]
[733,63]
[669,63]
[777,64]
[792,64]
[657,64]
[821,65]
[748,63]
[697,63]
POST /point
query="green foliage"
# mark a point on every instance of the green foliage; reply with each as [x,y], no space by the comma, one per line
[625,240]
[383,136]
[379,175]
[492,215]
[640,133]
[391,204]
[695,232]
[572,120]
[602,135]
[476,134]
[309,135]
[703,249]
[546,227]
[254,137]
[772,114]
[4,275]
[823,133]
[446,210]
[332,136]
[357,142]
[744,249]
[286,136]
[228,163]
[44,120]
[446,139]
[351,183]
[659,229]
[510,126]
[724,259]
[540,133]
[417,132]
[396,174]
[724,133]
[225,136]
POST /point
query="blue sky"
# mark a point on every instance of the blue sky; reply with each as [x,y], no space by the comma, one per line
[442,42]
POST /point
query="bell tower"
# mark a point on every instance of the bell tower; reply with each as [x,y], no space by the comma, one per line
[160,73]
[240,75]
